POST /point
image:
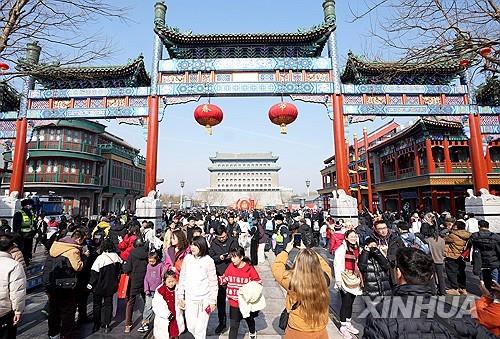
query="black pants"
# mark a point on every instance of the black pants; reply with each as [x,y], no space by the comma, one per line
[27,247]
[104,304]
[235,319]
[7,328]
[441,282]
[254,245]
[346,307]
[62,308]
[455,271]
[82,296]
[221,304]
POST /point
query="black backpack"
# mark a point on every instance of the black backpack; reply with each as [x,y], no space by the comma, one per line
[58,274]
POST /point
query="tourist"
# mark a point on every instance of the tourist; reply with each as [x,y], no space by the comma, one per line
[126,245]
[308,297]
[149,236]
[103,283]
[152,280]
[375,269]
[14,251]
[471,225]
[168,320]
[414,275]
[487,308]
[219,252]
[13,293]
[191,224]
[454,263]
[336,238]
[486,255]
[197,288]
[178,250]
[117,231]
[347,280]
[322,235]
[281,235]
[59,279]
[416,224]
[135,267]
[437,247]
[23,224]
[237,275]
[41,231]
[262,241]
[102,228]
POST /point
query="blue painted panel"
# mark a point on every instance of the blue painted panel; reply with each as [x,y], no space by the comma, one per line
[244,64]
[403,89]
[88,113]
[489,110]
[10,115]
[247,88]
[7,134]
[89,92]
[408,110]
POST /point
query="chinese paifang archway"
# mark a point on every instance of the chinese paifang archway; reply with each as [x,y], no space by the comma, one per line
[243,65]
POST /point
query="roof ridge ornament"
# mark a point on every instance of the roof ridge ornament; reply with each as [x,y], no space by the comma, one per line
[329,10]
[160,13]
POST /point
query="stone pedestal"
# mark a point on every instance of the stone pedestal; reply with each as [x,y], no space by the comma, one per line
[485,207]
[343,206]
[150,208]
[9,204]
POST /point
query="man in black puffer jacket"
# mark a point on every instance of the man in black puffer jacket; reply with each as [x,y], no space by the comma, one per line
[425,317]
[375,269]
[135,267]
[219,251]
[486,256]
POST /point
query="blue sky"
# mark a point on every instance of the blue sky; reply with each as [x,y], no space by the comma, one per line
[184,146]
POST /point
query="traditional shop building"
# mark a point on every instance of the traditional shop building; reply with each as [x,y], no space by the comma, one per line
[424,166]
[91,169]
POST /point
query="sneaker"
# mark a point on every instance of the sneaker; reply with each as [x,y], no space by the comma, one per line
[128,328]
[351,329]
[452,291]
[221,328]
[345,332]
[143,329]
[253,335]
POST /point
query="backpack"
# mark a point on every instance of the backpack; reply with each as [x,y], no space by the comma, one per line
[270,225]
[58,274]
[279,236]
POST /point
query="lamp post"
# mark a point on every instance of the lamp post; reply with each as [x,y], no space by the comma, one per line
[182,192]
[308,183]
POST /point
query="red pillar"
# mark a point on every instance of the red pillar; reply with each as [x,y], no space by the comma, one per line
[487,159]
[339,140]
[453,208]
[434,200]
[447,159]
[19,161]
[356,175]
[152,146]
[479,174]
[417,160]
[431,167]
[368,171]
[420,199]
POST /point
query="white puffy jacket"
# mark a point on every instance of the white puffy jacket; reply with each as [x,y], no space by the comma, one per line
[12,285]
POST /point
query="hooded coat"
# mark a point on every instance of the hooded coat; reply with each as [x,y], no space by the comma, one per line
[135,267]
[455,243]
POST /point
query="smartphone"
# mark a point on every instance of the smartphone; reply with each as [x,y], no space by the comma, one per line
[297,240]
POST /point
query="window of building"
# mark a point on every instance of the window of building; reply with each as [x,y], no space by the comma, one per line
[38,166]
[49,167]
[52,134]
[31,167]
[73,168]
[41,135]
[66,167]
[55,167]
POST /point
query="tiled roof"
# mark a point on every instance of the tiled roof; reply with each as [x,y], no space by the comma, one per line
[9,98]
[488,94]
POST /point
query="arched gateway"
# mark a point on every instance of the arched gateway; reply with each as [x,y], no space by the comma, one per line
[242,65]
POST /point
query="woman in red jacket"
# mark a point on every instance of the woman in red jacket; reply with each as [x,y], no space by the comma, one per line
[126,245]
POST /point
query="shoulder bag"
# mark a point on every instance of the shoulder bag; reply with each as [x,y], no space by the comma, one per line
[283,322]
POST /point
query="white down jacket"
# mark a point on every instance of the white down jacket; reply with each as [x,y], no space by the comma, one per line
[12,285]
[161,311]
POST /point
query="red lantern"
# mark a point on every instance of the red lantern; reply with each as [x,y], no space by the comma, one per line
[485,51]
[3,66]
[208,115]
[464,63]
[283,114]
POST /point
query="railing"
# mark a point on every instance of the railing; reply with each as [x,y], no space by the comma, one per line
[62,178]
[461,167]
[122,152]
[407,172]
[390,175]
[439,167]
[496,167]
[63,146]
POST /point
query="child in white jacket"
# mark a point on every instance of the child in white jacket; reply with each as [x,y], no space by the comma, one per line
[197,289]
[169,321]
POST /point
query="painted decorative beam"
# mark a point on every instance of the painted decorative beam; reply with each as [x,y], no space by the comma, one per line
[403,89]
[88,113]
[244,64]
[246,88]
[10,115]
[89,92]
[407,110]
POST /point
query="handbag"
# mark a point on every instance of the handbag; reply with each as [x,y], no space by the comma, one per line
[465,255]
[123,286]
[283,322]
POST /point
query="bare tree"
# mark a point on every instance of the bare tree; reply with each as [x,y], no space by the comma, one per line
[60,27]
[437,31]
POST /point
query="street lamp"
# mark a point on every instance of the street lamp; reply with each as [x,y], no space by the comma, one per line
[182,192]
[308,183]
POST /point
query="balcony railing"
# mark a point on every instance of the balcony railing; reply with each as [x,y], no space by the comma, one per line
[496,167]
[63,146]
[63,178]
[391,175]
[407,172]
[461,167]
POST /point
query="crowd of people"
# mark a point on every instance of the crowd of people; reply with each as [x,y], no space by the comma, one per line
[203,259]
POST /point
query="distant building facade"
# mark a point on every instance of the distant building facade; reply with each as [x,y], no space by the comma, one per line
[91,169]
[243,181]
